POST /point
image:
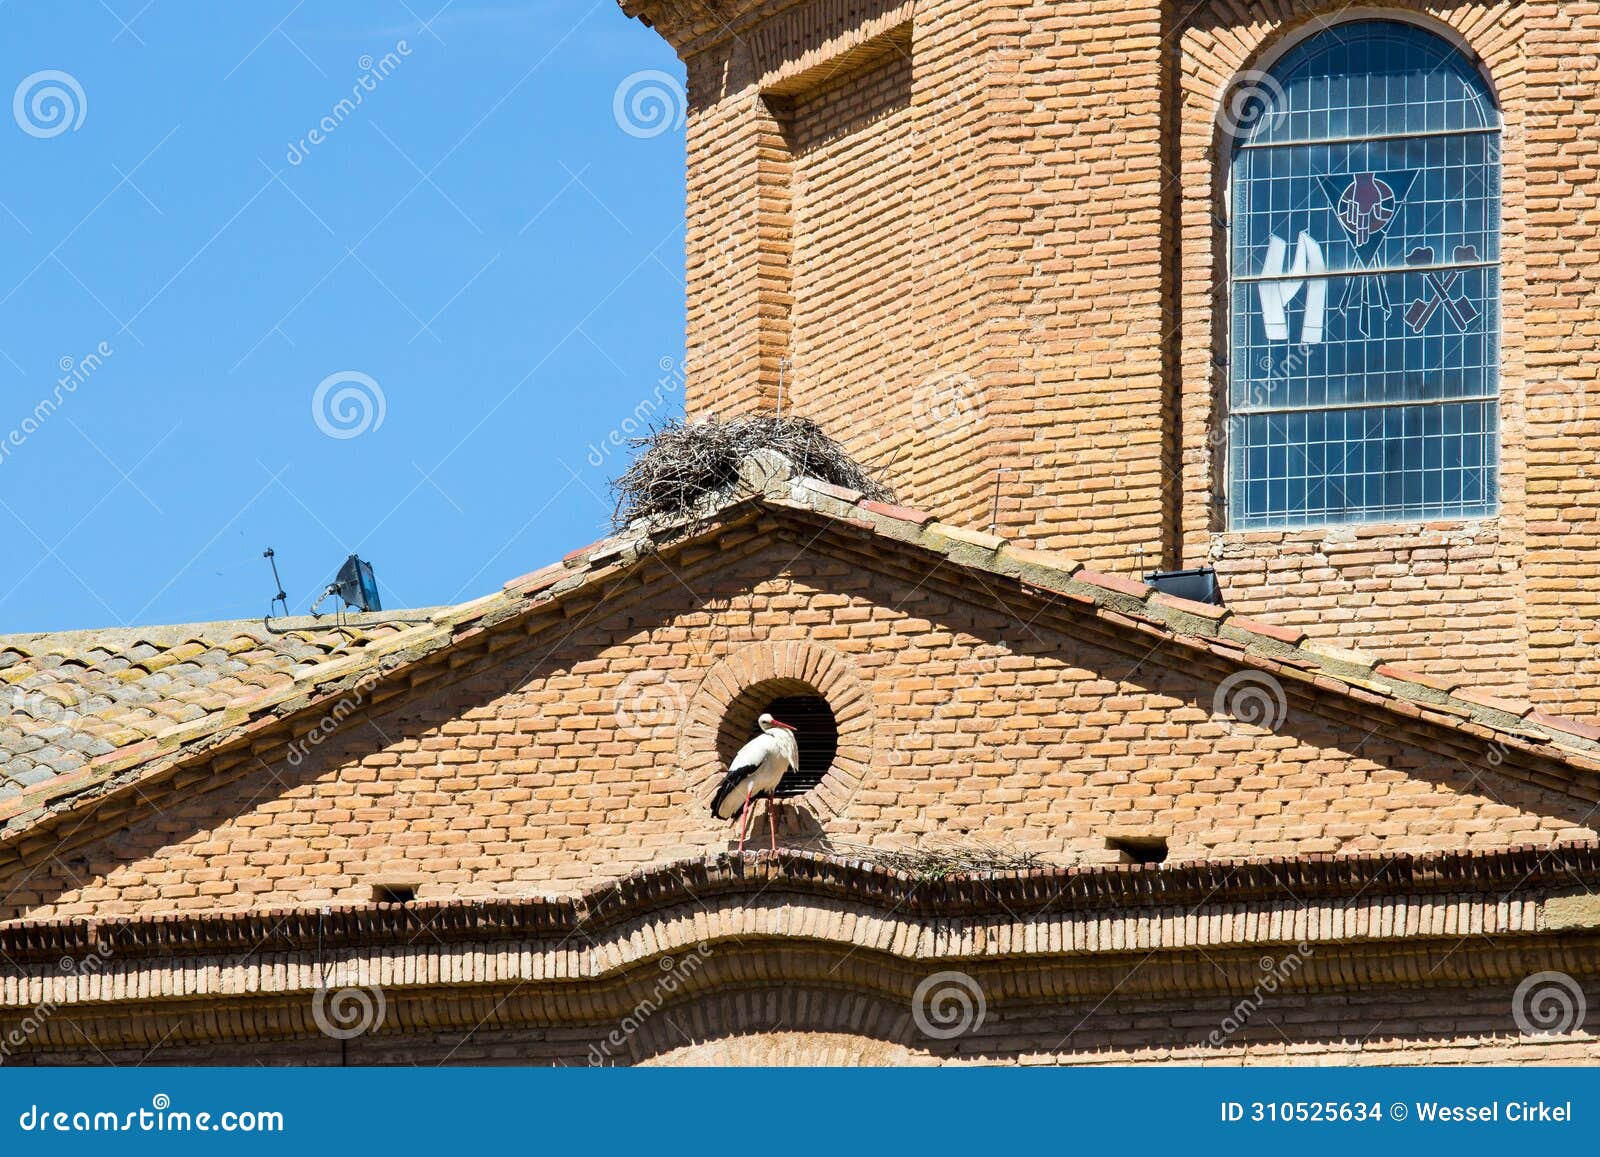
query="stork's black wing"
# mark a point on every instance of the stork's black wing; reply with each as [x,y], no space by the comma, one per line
[730,784]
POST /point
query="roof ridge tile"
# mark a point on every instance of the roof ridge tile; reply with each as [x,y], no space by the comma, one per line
[1566,724]
[1239,625]
[1121,584]
[898,513]
[842,493]
[1212,611]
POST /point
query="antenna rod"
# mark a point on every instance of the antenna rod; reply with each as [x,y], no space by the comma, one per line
[994,515]
[281,597]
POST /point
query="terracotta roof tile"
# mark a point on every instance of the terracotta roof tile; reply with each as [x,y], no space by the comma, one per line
[1189,606]
[902,513]
[573,557]
[1482,699]
[1114,582]
[1395,671]
[1289,636]
[86,697]
[842,493]
[538,580]
[1585,729]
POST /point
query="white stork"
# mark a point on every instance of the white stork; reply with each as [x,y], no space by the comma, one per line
[755,772]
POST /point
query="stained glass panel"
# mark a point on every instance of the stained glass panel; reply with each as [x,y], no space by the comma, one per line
[1365,248]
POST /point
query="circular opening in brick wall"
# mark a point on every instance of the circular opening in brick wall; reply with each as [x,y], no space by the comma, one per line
[793,702]
[809,686]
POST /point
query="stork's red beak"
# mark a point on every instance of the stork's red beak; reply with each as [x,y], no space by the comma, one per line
[785,726]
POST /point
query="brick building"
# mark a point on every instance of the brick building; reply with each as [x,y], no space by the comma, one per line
[1100,289]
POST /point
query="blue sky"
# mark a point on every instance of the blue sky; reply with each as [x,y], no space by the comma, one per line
[398,335]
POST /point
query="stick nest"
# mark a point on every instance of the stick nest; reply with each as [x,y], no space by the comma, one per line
[683,464]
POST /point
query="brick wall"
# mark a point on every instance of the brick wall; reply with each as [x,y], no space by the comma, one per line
[1561,95]
[1002,289]
[562,760]
[935,276]
[967,238]
[835,248]
[800,1024]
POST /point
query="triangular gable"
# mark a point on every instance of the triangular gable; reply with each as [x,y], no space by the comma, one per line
[1450,736]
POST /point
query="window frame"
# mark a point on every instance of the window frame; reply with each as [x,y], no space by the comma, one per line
[1229,151]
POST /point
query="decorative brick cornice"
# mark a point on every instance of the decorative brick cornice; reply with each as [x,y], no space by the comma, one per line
[803,46]
[782,36]
[857,885]
[831,933]
[691,25]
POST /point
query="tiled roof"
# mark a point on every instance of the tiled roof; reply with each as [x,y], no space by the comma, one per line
[149,697]
[69,696]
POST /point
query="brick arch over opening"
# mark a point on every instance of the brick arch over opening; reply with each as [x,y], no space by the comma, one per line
[1215,63]
[732,694]
[789,1047]
[788,1025]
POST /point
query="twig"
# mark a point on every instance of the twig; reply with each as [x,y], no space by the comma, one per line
[683,463]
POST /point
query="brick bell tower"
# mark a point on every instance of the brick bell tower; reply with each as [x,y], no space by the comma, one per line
[885,235]
[986,244]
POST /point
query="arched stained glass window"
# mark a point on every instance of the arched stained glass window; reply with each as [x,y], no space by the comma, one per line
[1365,286]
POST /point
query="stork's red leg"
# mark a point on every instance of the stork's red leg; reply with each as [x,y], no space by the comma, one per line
[744,818]
[772,823]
